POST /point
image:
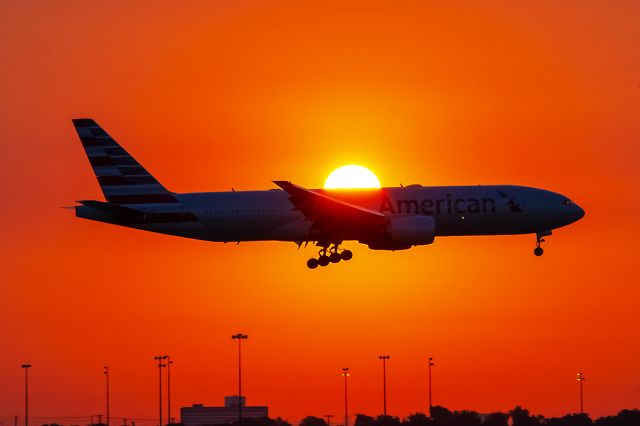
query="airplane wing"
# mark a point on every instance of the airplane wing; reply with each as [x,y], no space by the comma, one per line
[329,212]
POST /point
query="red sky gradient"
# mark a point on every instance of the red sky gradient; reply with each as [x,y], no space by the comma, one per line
[214,95]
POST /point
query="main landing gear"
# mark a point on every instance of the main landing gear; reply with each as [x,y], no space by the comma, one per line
[538,251]
[332,256]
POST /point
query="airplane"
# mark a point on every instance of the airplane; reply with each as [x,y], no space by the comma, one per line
[392,218]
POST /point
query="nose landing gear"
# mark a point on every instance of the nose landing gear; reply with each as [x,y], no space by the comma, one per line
[538,251]
[332,256]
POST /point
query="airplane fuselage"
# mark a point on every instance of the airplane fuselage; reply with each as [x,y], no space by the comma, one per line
[270,215]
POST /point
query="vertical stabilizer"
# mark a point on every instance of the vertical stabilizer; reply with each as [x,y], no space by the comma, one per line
[122,179]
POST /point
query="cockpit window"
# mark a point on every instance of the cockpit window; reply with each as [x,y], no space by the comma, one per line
[567,202]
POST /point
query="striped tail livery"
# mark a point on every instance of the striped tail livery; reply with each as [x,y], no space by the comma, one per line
[122,179]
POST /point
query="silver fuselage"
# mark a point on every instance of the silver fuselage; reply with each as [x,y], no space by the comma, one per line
[269,215]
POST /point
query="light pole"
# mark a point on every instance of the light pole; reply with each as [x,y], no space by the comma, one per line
[26,393]
[328,417]
[431,364]
[345,373]
[169,362]
[581,378]
[240,337]
[159,358]
[384,359]
[106,375]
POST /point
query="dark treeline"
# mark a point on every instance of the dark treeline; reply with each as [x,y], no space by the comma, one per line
[516,417]
[444,417]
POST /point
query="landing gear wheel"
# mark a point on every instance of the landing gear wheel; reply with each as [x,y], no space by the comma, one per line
[334,257]
[323,260]
[312,263]
[346,255]
[539,240]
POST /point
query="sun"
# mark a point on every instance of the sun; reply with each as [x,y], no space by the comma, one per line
[351,176]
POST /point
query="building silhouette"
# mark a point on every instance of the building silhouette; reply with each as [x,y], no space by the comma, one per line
[200,415]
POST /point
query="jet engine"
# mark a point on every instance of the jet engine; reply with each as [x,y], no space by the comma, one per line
[403,232]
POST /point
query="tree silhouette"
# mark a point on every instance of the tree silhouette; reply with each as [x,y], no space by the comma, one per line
[417,419]
[623,418]
[440,416]
[496,419]
[629,417]
[312,421]
[466,418]
[364,420]
[521,417]
[387,421]
[607,421]
[570,420]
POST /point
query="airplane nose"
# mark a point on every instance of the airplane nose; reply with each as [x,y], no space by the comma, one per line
[579,212]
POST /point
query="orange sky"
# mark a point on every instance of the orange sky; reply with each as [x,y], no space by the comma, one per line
[214,95]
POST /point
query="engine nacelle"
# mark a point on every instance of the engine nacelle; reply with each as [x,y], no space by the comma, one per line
[403,232]
[412,230]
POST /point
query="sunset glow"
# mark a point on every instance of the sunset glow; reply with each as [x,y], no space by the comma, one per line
[352,177]
[214,95]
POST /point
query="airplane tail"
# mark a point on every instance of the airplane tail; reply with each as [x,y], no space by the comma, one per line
[122,179]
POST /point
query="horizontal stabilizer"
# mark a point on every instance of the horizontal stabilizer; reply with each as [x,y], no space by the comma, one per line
[124,215]
[120,212]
